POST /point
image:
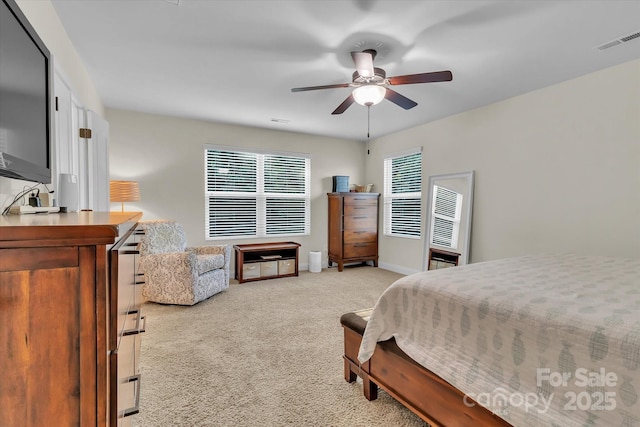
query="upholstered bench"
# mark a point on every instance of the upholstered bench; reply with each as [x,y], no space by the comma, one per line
[354,324]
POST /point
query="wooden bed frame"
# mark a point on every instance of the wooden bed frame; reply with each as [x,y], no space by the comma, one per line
[424,393]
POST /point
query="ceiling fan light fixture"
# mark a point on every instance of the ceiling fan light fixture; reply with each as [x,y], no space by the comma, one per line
[368,95]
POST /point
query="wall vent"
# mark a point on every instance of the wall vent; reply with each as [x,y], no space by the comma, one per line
[619,41]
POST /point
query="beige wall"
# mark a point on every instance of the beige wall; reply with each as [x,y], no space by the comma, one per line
[165,154]
[557,170]
[43,17]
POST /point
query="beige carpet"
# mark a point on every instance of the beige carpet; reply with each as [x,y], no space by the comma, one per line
[265,353]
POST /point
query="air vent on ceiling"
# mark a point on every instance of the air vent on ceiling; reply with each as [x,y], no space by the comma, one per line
[619,41]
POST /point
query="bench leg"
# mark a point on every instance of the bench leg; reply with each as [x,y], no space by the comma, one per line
[349,375]
[369,388]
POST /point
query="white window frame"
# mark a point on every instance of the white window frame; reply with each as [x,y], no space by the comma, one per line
[262,224]
[410,225]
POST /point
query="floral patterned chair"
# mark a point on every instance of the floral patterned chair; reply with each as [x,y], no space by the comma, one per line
[175,273]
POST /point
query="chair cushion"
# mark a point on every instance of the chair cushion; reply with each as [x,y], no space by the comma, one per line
[207,263]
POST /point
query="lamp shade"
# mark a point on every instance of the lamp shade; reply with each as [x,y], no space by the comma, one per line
[369,94]
[124,191]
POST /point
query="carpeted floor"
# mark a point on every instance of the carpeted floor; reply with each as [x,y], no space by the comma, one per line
[265,353]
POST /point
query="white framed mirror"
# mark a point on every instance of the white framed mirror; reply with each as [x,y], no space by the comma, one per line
[448,220]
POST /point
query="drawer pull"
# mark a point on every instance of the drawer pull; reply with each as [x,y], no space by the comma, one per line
[360,217]
[359,245]
[135,409]
[140,319]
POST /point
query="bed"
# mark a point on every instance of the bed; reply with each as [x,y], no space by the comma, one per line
[537,340]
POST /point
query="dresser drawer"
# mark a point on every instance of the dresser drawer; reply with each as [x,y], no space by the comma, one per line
[128,372]
[357,210]
[361,201]
[360,236]
[126,357]
[128,399]
[361,222]
[357,250]
[268,268]
[126,303]
[286,266]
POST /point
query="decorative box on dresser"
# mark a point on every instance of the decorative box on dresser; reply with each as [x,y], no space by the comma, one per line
[65,280]
[353,228]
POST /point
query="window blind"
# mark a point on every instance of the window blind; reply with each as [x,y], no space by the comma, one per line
[403,195]
[447,209]
[256,194]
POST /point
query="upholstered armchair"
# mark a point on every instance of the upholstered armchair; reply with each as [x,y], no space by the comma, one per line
[175,273]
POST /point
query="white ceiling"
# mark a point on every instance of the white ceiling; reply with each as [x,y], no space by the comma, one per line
[236,61]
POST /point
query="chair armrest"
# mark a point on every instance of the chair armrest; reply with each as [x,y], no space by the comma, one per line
[213,250]
[209,250]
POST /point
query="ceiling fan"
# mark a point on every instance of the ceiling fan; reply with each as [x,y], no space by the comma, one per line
[371,84]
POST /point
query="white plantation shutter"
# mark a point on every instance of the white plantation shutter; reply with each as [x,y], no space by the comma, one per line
[447,209]
[403,194]
[256,194]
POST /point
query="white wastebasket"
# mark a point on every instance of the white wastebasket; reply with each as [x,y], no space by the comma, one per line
[315,262]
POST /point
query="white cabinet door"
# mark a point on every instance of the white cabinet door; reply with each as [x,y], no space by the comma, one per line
[69,116]
[62,146]
[86,158]
[98,162]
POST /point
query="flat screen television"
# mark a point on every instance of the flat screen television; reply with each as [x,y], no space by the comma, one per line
[26,94]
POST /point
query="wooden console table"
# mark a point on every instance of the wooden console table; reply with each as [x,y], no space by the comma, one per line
[260,261]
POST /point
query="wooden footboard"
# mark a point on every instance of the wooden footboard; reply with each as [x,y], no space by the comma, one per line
[420,390]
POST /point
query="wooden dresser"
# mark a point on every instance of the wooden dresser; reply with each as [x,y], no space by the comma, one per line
[67,302]
[353,228]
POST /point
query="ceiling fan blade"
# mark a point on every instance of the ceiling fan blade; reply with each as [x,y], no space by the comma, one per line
[364,63]
[400,100]
[345,104]
[302,89]
[437,76]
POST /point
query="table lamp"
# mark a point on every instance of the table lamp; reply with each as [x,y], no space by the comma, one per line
[124,191]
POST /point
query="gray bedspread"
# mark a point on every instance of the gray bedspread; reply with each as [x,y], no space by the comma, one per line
[549,340]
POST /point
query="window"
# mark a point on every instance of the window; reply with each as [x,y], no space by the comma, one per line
[403,194]
[256,194]
[447,207]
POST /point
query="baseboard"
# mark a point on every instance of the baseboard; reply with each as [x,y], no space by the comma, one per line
[391,267]
[398,268]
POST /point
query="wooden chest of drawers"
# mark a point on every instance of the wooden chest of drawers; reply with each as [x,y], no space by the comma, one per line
[62,279]
[353,228]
